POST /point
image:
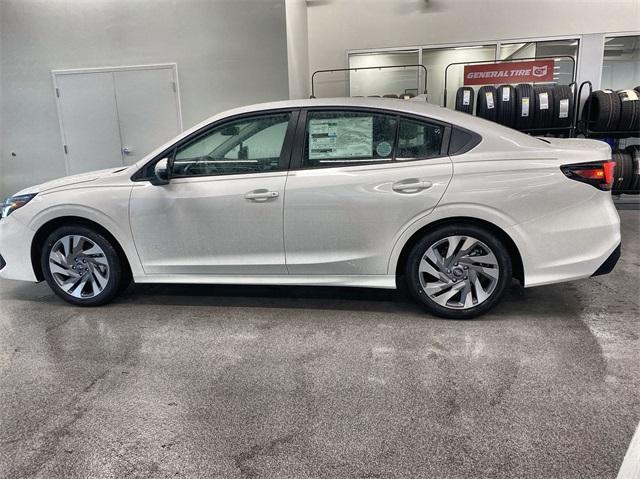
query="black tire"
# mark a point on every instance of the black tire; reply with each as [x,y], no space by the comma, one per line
[118,273]
[601,111]
[562,106]
[629,111]
[544,109]
[413,277]
[525,106]
[460,99]
[486,103]
[622,172]
[634,152]
[506,98]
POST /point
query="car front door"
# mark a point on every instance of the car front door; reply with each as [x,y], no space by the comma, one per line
[222,211]
[358,179]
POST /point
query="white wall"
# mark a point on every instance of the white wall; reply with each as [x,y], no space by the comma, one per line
[229,52]
[339,25]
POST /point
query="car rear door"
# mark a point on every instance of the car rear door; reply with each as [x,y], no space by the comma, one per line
[222,211]
[358,179]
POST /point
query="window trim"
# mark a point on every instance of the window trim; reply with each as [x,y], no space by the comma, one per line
[285,154]
[300,140]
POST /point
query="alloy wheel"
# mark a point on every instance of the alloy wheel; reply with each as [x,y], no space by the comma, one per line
[459,272]
[79,266]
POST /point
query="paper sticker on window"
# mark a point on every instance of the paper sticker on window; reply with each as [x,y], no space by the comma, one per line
[543,99]
[466,97]
[506,94]
[525,106]
[564,108]
[489,96]
[340,138]
[383,149]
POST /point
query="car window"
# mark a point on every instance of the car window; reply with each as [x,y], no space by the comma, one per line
[348,138]
[417,139]
[243,146]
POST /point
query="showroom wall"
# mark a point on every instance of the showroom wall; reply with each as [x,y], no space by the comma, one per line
[228,52]
[336,26]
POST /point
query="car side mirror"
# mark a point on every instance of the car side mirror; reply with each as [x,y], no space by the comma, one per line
[161,173]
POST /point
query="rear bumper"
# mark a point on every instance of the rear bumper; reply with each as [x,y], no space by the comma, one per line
[610,262]
[569,243]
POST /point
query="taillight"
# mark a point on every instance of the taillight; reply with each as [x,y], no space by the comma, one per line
[597,173]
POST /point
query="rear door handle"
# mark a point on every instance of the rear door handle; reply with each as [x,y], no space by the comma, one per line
[411,185]
[261,195]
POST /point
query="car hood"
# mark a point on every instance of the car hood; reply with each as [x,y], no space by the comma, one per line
[70,180]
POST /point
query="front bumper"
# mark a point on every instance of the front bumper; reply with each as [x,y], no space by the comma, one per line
[15,248]
[610,262]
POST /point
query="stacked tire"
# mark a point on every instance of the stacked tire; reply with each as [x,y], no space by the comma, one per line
[486,103]
[525,106]
[464,99]
[626,174]
[506,106]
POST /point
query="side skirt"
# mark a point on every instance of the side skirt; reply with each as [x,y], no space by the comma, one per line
[362,281]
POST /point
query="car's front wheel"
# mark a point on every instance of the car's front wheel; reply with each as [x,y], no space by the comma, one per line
[458,271]
[82,266]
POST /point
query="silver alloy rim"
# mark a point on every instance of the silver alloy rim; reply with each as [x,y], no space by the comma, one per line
[79,266]
[459,272]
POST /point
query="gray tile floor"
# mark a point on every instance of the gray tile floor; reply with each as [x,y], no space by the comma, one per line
[177,381]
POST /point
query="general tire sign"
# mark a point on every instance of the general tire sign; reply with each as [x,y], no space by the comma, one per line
[509,72]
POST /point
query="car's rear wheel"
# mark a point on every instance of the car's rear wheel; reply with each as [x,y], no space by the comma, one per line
[458,271]
[82,266]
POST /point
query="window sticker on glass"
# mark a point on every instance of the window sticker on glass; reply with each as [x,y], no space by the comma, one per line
[340,137]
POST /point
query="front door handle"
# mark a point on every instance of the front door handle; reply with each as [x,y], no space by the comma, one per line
[412,185]
[261,195]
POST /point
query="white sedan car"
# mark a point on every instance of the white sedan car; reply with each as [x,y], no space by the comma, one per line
[337,192]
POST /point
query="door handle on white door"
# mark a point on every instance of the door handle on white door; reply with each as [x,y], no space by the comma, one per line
[126,150]
[411,185]
[261,195]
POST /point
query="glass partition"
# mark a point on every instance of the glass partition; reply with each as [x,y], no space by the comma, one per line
[563,72]
[389,81]
[436,60]
[621,65]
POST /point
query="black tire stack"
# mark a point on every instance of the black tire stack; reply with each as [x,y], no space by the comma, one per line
[525,106]
[486,104]
[601,111]
[464,99]
[543,117]
[506,106]
[562,106]
[629,110]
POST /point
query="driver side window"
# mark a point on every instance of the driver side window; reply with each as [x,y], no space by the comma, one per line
[247,145]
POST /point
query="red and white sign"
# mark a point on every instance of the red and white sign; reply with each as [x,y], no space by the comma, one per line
[509,72]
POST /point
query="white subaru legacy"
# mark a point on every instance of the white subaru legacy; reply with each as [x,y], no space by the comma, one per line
[328,192]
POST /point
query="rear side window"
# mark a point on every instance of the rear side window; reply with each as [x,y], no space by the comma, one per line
[348,138]
[417,139]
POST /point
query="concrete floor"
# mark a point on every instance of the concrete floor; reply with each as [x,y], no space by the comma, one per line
[243,382]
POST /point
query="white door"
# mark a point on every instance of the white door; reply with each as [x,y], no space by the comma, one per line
[112,118]
[147,110]
[90,121]
[222,211]
[357,188]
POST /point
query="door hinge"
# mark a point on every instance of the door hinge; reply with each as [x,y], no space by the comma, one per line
[66,149]
[175,87]
[58,92]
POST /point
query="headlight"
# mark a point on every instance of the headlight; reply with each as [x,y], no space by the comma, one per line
[13,203]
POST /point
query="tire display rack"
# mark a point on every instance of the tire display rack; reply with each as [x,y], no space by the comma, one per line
[568,130]
[615,137]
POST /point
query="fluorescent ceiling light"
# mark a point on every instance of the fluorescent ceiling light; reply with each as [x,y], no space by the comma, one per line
[467,48]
